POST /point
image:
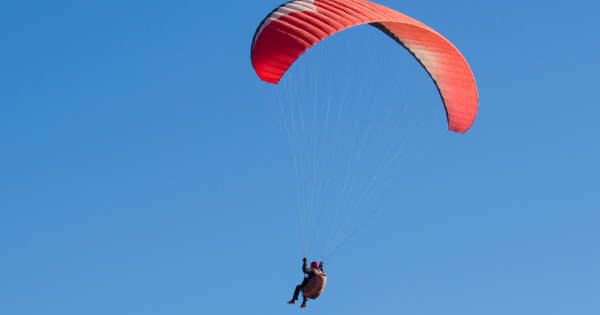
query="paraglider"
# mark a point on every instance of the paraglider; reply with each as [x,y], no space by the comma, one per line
[343,156]
[313,285]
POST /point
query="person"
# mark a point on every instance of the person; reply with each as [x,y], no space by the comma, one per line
[315,269]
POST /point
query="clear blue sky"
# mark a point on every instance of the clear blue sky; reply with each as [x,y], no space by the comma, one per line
[137,169]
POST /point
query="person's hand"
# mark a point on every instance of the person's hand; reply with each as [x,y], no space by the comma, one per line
[321,264]
[304,259]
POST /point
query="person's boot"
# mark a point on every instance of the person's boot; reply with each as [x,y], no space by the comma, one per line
[292,302]
[303,305]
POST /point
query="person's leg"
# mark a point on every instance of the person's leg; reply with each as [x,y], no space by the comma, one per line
[304,301]
[297,292]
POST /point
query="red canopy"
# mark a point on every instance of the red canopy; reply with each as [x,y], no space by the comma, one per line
[294,27]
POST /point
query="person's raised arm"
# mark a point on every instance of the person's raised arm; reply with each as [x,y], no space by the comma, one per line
[321,266]
[304,264]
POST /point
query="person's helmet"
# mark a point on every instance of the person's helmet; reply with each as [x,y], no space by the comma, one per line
[314,264]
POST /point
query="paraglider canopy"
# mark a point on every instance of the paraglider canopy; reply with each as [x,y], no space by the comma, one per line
[294,27]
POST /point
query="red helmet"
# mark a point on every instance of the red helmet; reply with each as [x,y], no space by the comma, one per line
[314,264]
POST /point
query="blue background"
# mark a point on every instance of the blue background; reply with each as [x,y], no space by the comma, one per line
[136,169]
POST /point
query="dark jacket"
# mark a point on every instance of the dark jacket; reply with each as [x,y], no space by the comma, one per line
[312,271]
